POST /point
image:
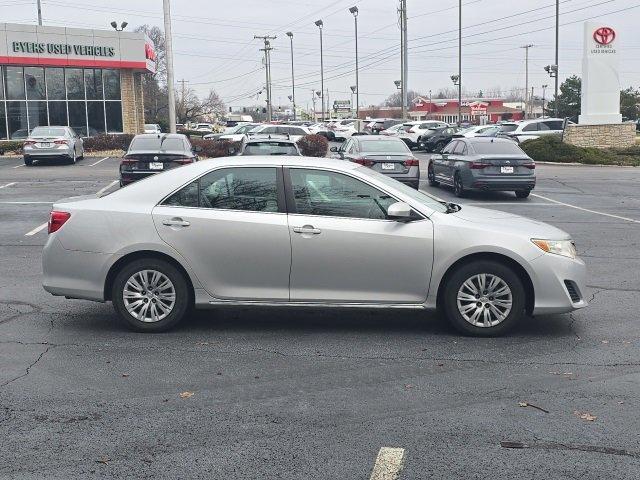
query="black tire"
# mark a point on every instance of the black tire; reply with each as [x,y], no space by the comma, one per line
[522,193]
[181,287]
[28,161]
[431,176]
[465,272]
[458,187]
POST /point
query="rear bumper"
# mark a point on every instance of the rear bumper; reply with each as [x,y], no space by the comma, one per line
[499,182]
[130,176]
[411,178]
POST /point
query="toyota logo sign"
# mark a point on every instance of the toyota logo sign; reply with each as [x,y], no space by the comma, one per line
[604,35]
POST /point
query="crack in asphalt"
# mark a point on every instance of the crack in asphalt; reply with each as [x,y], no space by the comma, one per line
[28,369]
[582,448]
[600,288]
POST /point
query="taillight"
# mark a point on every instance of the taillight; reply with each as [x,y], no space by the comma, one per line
[530,166]
[61,142]
[479,165]
[57,220]
[29,142]
[183,161]
[363,161]
[413,162]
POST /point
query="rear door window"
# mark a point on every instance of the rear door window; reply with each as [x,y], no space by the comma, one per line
[532,127]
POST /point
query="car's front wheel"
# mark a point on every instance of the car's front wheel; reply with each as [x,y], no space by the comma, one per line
[484,298]
[150,295]
[458,187]
[431,176]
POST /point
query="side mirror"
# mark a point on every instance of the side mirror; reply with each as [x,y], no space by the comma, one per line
[400,212]
[197,149]
[333,149]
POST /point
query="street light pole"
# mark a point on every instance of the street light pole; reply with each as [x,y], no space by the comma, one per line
[555,103]
[404,60]
[526,77]
[459,62]
[293,78]
[320,24]
[544,91]
[169,58]
[39,13]
[354,11]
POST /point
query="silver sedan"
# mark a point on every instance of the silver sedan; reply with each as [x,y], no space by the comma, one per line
[52,143]
[297,231]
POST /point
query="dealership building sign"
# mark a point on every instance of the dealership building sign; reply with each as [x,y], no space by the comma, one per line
[73,47]
[600,102]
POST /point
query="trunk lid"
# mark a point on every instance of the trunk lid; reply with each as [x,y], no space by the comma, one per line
[520,165]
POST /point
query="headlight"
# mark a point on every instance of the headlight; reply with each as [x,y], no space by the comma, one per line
[566,248]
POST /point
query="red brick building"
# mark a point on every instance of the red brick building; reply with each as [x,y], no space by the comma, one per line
[474,110]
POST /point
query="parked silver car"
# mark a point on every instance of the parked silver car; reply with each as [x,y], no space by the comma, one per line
[299,231]
[52,143]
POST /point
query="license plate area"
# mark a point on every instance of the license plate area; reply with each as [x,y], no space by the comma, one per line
[156,166]
[388,166]
[45,144]
[506,169]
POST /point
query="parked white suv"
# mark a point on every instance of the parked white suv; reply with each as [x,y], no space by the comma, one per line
[410,132]
[295,132]
[530,129]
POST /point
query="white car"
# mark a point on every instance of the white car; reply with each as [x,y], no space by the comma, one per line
[412,131]
[294,132]
[152,128]
[539,127]
[476,130]
[393,131]
[321,129]
[204,127]
[348,128]
[233,134]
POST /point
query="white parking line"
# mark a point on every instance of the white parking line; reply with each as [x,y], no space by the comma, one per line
[96,163]
[36,230]
[102,190]
[388,464]
[626,219]
[7,185]
[26,203]
[18,166]
[526,204]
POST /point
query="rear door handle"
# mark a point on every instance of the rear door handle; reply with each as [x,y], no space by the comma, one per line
[309,229]
[176,222]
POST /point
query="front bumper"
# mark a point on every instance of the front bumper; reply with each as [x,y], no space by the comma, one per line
[551,293]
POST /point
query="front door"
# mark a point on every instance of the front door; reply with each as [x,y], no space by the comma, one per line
[343,247]
[231,228]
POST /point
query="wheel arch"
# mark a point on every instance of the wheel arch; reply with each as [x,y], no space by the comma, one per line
[137,255]
[496,257]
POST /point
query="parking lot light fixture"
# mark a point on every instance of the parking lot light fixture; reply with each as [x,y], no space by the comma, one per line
[293,78]
[354,11]
[320,25]
[398,84]
[120,28]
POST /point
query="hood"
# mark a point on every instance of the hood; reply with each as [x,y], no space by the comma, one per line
[510,223]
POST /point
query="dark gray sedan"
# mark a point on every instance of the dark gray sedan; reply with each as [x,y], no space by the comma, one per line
[387,155]
[483,163]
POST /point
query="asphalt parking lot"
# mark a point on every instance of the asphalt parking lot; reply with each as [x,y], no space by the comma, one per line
[252,393]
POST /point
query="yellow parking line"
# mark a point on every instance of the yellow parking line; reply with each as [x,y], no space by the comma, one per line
[626,219]
[388,464]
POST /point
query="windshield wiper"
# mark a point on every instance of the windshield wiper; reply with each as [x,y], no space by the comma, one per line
[451,207]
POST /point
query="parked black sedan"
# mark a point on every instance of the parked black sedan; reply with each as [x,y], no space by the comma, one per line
[149,154]
[435,139]
[387,155]
[483,163]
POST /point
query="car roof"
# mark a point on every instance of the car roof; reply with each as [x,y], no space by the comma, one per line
[159,135]
[376,138]
[486,140]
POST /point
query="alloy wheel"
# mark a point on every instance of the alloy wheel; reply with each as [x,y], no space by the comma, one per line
[484,300]
[149,296]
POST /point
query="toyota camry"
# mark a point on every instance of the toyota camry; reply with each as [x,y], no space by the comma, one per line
[304,232]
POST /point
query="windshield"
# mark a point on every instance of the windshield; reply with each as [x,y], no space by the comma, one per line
[506,147]
[48,132]
[270,148]
[143,144]
[384,146]
[412,193]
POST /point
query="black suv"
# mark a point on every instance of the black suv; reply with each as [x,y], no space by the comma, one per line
[381,125]
[435,139]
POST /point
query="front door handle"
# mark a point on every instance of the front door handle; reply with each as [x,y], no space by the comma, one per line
[309,229]
[176,222]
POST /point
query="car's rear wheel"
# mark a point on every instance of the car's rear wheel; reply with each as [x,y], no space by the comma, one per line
[150,295]
[72,157]
[458,187]
[484,298]
[28,161]
[431,176]
[522,193]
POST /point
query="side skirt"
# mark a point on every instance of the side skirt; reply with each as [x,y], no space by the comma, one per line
[411,306]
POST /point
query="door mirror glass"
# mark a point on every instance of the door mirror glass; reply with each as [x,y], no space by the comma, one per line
[400,212]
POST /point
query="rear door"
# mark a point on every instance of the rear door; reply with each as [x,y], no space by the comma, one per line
[231,227]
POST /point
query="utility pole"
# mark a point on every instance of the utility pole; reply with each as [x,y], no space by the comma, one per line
[293,77]
[267,68]
[328,105]
[459,62]
[555,103]
[39,13]
[182,96]
[354,11]
[320,25]
[404,64]
[169,58]
[531,103]
[544,91]
[313,99]
[526,77]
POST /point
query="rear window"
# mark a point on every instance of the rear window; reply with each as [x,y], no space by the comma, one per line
[497,148]
[48,132]
[383,146]
[270,148]
[153,143]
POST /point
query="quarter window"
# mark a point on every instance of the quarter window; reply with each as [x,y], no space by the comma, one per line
[332,194]
[532,127]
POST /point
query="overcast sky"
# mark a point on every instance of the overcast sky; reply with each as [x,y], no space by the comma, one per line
[214,46]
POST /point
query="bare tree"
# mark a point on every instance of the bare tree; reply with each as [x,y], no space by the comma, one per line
[154,85]
[190,108]
[395,100]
